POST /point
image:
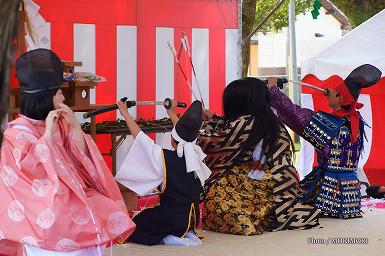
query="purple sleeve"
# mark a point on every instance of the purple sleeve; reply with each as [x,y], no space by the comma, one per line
[290,114]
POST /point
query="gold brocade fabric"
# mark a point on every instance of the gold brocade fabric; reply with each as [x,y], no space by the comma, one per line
[236,204]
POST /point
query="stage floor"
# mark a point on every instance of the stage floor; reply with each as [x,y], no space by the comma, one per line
[371,228]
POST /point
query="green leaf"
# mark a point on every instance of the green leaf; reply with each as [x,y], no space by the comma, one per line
[280,18]
[359,11]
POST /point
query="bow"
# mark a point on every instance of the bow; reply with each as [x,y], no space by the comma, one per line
[194,157]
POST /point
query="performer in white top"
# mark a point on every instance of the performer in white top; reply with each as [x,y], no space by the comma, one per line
[178,174]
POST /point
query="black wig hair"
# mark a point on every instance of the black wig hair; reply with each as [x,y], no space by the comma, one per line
[37,105]
[251,96]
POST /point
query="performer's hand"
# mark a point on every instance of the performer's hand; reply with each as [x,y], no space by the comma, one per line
[131,124]
[271,82]
[51,122]
[171,112]
[69,115]
[207,114]
[173,106]
[123,109]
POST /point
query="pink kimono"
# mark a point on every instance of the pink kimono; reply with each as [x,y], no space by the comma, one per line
[55,196]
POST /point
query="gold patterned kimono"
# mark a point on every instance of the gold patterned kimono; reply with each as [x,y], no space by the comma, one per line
[235,203]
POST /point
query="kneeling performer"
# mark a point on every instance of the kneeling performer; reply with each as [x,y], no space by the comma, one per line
[179,175]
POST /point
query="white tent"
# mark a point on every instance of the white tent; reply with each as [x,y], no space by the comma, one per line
[364,44]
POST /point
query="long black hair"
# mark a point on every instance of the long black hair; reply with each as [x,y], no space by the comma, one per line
[37,105]
[251,96]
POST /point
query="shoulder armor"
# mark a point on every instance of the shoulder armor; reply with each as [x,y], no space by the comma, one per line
[321,129]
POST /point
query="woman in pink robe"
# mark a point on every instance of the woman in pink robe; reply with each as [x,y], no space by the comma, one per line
[57,193]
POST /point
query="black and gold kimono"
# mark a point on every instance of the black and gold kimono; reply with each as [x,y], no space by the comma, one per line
[233,203]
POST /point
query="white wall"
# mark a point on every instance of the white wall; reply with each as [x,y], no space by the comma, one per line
[272,46]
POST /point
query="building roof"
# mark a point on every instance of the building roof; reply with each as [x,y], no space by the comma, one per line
[337,14]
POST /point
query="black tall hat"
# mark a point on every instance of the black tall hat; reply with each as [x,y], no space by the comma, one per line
[39,70]
[190,122]
[362,77]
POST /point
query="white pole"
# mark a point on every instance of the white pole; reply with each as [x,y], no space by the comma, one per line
[294,91]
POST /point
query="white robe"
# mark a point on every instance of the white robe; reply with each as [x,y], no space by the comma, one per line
[142,171]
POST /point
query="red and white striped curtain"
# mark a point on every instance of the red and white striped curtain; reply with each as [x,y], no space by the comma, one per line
[125,41]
